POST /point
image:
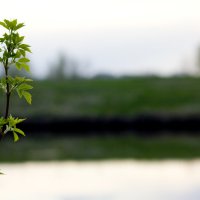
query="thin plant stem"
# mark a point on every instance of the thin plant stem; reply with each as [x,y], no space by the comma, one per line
[7,93]
[7,98]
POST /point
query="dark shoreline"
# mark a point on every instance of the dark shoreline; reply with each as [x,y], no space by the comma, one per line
[141,124]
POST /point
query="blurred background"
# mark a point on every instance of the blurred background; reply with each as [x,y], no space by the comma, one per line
[116,101]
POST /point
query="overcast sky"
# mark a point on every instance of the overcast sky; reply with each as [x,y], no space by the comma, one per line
[110,36]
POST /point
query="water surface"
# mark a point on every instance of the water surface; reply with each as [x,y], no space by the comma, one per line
[102,180]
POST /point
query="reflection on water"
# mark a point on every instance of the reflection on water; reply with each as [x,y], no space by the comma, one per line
[105,180]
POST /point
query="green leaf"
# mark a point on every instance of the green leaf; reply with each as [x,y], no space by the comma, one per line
[3,85]
[18,66]
[25,66]
[11,122]
[27,96]
[2,122]
[19,26]
[19,120]
[18,54]
[24,60]
[6,54]
[25,86]
[16,137]
[14,23]
[28,80]
[8,23]
[20,39]
[25,47]
[19,92]
[20,79]
[19,131]
[22,52]
[4,25]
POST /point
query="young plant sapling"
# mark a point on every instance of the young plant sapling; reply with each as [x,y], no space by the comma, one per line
[13,54]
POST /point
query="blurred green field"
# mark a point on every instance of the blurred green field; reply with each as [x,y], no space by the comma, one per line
[111,97]
[100,147]
[107,97]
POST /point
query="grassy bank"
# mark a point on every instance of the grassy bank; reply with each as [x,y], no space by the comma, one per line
[101,97]
[97,148]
